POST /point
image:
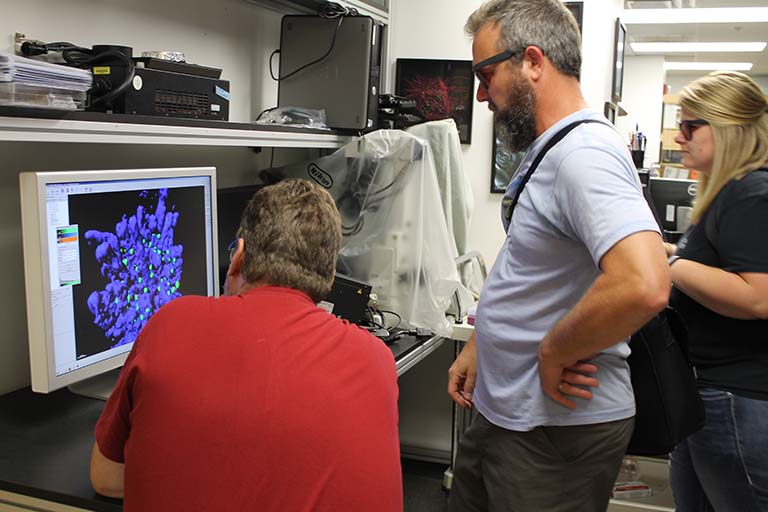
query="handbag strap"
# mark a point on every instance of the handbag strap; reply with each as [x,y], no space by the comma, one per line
[539,157]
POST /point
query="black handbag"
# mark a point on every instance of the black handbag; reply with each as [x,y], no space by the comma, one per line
[668,404]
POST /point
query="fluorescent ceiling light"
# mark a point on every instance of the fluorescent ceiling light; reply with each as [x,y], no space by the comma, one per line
[696,47]
[695,15]
[707,66]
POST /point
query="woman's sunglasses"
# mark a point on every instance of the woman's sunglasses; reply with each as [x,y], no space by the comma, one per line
[687,127]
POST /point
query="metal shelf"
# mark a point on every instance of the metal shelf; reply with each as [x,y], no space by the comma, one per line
[28,129]
[379,11]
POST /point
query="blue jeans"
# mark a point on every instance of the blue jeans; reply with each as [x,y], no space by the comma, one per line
[724,466]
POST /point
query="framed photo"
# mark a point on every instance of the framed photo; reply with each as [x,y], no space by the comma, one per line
[620,41]
[577,9]
[442,89]
[610,111]
[504,165]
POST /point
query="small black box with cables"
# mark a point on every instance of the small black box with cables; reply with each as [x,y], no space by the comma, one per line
[348,299]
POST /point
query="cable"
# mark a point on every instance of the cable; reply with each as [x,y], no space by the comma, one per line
[264,112]
[370,312]
[305,66]
[334,10]
[399,318]
[272,73]
[79,57]
[329,10]
[131,72]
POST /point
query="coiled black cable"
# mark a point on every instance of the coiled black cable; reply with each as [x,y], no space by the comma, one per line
[330,10]
[77,56]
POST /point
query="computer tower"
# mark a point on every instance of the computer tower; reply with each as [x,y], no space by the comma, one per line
[345,82]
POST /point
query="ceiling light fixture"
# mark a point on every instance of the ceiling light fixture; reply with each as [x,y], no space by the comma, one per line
[695,15]
[696,47]
[707,66]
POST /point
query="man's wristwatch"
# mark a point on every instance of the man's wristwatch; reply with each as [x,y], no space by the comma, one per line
[672,259]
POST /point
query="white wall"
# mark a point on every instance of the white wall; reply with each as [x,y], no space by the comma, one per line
[677,81]
[434,29]
[597,50]
[643,93]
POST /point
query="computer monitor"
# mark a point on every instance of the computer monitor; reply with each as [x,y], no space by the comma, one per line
[231,203]
[673,199]
[103,251]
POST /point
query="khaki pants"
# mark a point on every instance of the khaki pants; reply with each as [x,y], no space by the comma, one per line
[549,469]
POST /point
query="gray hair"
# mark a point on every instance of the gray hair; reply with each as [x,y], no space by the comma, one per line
[546,24]
[292,233]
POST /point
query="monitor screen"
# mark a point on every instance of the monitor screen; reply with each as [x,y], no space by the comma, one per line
[231,203]
[103,251]
[673,199]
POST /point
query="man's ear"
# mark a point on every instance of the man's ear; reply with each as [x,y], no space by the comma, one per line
[534,58]
[236,265]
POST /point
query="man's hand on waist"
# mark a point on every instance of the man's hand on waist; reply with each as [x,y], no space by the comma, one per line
[559,381]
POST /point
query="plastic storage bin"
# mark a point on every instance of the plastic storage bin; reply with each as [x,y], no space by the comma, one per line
[19,95]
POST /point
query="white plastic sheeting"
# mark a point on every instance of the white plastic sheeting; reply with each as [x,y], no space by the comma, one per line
[395,232]
[455,193]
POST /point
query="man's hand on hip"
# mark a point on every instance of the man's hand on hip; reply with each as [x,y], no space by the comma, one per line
[559,382]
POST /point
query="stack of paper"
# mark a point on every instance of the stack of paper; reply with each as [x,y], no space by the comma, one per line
[22,70]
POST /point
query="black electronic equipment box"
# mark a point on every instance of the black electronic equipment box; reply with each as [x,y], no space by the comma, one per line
[155,92]
[147,86]
[348,299]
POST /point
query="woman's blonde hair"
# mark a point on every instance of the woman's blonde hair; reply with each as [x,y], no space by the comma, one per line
[735,108]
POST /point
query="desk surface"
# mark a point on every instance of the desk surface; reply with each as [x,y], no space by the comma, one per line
[46,440]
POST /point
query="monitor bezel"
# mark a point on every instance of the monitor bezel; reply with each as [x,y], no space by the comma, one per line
[37,265]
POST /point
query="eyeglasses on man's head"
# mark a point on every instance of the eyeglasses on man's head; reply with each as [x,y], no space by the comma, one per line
[232,249]
[485,77]
[688,126]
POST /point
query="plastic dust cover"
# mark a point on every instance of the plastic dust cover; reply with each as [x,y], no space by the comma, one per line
[395,235]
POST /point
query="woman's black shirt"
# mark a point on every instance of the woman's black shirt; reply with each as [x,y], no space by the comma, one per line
[729,354]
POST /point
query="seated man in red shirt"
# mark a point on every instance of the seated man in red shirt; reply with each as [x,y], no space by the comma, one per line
[258,400]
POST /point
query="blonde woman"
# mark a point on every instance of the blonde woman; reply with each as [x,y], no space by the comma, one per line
[720,274]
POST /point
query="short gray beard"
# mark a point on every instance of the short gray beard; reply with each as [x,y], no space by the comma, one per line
[516,123]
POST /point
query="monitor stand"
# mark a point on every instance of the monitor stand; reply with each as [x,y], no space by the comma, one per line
[99,386]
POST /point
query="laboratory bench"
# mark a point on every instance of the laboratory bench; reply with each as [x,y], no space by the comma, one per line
[46,440]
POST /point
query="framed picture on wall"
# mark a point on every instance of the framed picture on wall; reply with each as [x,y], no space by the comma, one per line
[577,9]
[503,166]
[442,89]
[620,41]
[609,110]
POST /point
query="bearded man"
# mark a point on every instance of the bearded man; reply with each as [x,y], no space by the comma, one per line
[582,267]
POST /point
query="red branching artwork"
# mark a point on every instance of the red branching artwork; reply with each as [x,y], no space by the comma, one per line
[432,96]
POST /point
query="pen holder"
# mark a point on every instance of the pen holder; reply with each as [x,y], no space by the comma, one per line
[638,155]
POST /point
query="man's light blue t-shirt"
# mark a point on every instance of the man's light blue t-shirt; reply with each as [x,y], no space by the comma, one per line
[584,197]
